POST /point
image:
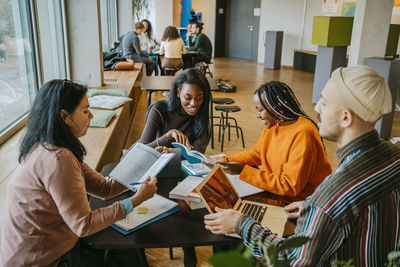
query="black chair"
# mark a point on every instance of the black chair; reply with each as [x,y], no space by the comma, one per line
[225,123]
[218,101]
[205,68]
[170,71]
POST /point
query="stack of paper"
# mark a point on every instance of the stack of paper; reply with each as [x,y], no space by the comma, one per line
[185,189]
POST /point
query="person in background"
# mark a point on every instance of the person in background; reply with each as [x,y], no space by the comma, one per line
[131,49]
[354,213]
[289,149]
[201,44]
[189,33]
[182,118]
[147,42]
[173,48]
[47,208]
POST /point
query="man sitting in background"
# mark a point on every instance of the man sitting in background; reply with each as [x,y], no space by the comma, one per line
[354,213]
[131,48]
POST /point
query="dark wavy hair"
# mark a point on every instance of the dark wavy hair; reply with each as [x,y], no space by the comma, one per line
[149,31]
[170,34]
[45,125]
[192,76]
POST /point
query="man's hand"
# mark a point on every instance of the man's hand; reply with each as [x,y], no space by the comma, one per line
[179,137]
[222,222]
[145,191]
[294,209]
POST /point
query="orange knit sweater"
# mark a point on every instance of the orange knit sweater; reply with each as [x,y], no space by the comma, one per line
[293,160]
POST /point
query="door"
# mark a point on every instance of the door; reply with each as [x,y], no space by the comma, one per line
[243,19]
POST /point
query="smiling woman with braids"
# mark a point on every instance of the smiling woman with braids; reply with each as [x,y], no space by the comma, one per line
[289,149]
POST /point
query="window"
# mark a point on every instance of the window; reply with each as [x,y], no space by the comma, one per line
[109,24]
[53,39]
[18,79]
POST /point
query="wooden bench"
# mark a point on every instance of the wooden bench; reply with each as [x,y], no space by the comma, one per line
[304,60]
[104,145]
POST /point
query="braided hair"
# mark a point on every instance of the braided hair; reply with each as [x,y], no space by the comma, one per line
[281,99]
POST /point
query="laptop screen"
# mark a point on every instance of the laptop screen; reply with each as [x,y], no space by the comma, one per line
[217,190]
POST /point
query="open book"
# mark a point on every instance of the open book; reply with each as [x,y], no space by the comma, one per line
[192,156]
[186,189]
[140,162]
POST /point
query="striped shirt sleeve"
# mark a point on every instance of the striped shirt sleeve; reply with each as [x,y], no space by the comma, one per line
[325,237]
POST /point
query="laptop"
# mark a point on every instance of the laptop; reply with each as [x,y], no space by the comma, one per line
[216,190]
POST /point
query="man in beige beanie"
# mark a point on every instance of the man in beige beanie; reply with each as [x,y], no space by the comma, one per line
[358,95]
[355,212]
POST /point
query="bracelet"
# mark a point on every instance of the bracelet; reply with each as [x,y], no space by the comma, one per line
[157,143]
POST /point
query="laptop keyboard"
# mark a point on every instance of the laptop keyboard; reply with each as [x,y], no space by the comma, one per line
[253,210]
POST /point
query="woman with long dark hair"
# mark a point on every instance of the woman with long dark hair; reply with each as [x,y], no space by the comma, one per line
[184,116]
[147,41]
[172,47]
[290,150]
[47,207]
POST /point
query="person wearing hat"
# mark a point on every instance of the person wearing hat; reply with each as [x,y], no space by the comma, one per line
[355,212]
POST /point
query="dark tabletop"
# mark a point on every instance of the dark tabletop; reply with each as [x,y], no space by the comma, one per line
[184,228]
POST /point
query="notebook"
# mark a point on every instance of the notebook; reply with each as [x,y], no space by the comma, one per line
[216,190]
[158,207]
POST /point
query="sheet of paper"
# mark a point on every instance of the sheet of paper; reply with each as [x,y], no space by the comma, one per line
[155,206]
[242,188]
[157,166]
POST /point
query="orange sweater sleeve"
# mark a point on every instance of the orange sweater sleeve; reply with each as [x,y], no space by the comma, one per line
[249,157]
[290,178]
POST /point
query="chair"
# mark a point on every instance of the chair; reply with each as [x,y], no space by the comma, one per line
[170,71]
[225,123]
[205,68]
[218,101]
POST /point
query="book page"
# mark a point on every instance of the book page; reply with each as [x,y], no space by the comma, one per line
[199,155]
[157,166]
[242,188]
[135,164]
[155,206]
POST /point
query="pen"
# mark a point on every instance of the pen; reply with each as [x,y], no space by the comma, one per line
[137,183]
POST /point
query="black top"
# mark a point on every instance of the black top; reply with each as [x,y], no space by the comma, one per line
[160,121]
[201,45]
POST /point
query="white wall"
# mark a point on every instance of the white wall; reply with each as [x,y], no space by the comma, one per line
[161,17]
[286,16]
[208,9]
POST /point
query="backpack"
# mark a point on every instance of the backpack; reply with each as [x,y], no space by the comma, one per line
[226,86]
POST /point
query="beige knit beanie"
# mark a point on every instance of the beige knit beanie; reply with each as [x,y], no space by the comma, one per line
[364,90]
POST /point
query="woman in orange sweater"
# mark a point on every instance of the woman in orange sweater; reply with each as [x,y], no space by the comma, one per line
[290,150]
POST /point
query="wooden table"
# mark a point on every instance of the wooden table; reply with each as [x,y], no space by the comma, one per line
[104,145]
